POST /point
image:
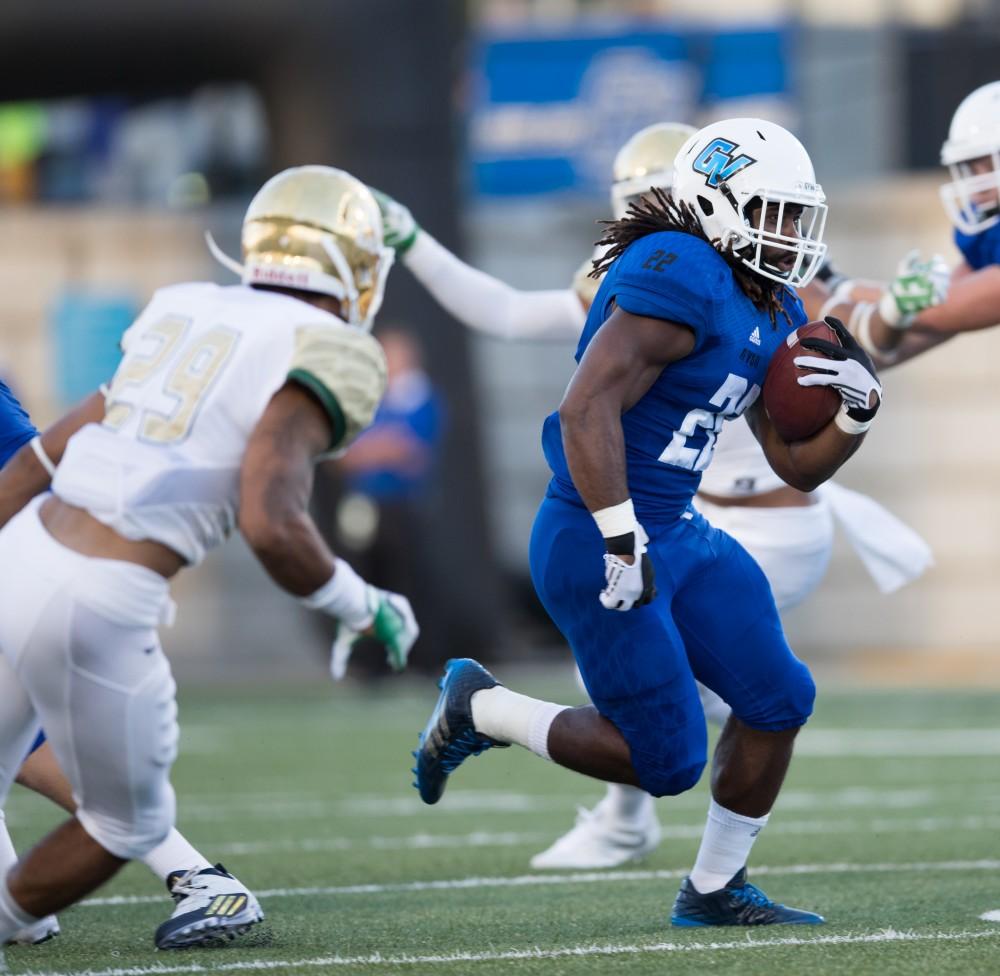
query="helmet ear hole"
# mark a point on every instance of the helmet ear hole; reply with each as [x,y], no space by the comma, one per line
[706,205]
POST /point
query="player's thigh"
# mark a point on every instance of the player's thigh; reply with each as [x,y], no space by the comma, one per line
[791,545]
[106,698]
[18,726]
[633,663]
[736,645]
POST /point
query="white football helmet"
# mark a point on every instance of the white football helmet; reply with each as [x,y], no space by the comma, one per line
[974,135]
[646,160]
[317,229]
[729,167]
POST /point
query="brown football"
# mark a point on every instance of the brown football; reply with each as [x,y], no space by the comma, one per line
[798,412]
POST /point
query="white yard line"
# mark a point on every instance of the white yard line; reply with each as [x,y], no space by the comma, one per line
[576,877]
[563,952]
[993,916]
[692,831]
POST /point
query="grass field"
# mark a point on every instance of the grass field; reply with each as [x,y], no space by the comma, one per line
[889,826]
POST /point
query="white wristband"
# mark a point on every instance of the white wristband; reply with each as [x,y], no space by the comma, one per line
[841,295]
[43,459]
[344,596]
[848,424]
[616,520]
[891,315]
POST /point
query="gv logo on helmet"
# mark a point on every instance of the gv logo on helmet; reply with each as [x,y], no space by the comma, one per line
[718,163]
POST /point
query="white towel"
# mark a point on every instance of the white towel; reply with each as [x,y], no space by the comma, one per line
[892,552]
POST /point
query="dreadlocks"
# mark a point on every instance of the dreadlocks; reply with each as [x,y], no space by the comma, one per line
[658,211]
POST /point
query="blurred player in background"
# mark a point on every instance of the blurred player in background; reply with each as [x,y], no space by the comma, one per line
[972,200]
[222,403]
[692,283]
[788,532]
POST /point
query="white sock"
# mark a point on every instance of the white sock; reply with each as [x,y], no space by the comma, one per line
[725,847]
[628,802]
[13,917]
[175,855]
[716,710]
[8,856]
[506,716]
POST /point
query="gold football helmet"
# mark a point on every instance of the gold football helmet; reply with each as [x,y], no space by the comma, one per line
[317,229]
[646,160]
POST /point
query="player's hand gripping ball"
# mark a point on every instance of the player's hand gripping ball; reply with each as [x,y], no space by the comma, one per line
[796,411]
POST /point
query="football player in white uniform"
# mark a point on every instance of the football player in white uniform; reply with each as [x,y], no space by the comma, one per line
[225,398]
[788,532]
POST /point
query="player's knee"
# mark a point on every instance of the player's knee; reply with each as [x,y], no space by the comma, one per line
[131,836]
[793,701]
[671,781]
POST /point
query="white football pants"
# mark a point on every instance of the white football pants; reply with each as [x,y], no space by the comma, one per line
[80,657]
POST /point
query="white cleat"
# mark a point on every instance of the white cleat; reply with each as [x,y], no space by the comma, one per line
[601,839]
[36,933]
[212,906]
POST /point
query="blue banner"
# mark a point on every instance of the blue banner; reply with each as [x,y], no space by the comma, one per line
[551,109]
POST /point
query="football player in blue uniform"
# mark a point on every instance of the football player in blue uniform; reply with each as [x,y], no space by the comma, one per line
[972,200]
[696,298]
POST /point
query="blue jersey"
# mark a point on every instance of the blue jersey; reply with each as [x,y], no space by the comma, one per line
[670,433]
[980,250]
[16,428]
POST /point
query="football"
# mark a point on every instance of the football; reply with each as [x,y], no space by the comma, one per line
[798,412]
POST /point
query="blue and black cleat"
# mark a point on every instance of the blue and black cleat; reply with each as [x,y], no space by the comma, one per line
[449,737]
[739,903]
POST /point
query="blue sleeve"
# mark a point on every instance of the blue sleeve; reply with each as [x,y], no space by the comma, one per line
[980,250]
[16,428]
[672,276]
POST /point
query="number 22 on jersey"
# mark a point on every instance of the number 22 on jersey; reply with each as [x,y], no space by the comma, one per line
[732,398]
[185,372]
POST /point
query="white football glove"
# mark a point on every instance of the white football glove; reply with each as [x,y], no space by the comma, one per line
[399,229]
[845,367]
[390,621]
[918,285]
[627,586]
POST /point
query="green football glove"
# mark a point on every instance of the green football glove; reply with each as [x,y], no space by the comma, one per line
[918,285]
[399,229]
[392,623]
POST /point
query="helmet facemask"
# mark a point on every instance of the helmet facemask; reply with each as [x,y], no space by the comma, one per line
[969,215]
[800,255]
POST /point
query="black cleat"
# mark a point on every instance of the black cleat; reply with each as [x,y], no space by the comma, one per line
[449,737]
[739,903]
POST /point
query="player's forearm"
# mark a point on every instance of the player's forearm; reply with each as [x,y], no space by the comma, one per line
[486,304]
[594,444]
[973,303]
[804,464]
[26,474]
[818,459]
[291,551]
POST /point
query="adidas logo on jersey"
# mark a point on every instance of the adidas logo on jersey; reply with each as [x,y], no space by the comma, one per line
[755,336]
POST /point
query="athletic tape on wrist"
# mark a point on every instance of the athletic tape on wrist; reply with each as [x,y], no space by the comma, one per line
[43,459]
[344,595]
[888,310]
[841,295]
[848,424]
[616,520]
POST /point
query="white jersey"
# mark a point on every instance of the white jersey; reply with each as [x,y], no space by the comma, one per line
[201,364]
[739,468]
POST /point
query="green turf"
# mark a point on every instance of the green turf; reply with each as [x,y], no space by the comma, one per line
[310,788]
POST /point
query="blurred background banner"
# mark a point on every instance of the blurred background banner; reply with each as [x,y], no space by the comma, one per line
[551,106]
